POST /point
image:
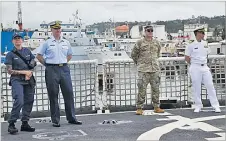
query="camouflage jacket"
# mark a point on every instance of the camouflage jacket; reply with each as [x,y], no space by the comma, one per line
[145,55]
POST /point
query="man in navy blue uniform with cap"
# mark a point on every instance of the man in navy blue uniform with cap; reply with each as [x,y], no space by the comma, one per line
[19,63]
[58,52]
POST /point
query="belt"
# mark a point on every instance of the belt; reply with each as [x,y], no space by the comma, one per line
[63,64]
[199,64]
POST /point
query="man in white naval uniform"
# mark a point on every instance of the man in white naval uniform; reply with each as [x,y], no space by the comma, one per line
[196,55]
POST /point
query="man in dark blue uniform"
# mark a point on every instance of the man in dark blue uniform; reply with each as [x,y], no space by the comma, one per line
[58,52]
[22,82]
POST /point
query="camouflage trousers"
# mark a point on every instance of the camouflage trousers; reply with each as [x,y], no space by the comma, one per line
[144,78]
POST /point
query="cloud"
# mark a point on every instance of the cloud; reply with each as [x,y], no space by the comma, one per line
[35,13]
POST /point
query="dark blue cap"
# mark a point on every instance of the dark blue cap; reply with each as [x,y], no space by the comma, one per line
[16,35]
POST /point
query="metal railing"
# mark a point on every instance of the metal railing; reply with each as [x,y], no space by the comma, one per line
[119,85]
[85,87]
[120,82]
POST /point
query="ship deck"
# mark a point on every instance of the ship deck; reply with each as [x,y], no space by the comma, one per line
[116,90]
[174,124]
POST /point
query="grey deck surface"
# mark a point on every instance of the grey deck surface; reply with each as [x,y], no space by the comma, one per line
[128,127]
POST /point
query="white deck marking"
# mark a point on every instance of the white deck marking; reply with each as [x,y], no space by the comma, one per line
[59,135]
[164,119]
[222,138]
[151,112]
[188,128]
[209,118]
[156,133]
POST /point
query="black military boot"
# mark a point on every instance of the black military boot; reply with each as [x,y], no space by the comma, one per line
[12,129]
[26,127]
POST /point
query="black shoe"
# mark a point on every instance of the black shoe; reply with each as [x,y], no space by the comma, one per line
[26,127]
[56,124]
[75,122]
[12,129]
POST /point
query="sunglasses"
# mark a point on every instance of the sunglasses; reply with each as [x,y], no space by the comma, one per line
[17,38]
[202,32]
[149,30]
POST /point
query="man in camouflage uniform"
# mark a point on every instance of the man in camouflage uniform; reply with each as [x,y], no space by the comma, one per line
[145,54]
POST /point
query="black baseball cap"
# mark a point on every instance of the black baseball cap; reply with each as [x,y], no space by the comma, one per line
[148,27]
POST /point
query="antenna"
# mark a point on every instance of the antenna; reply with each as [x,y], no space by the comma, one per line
[75,20]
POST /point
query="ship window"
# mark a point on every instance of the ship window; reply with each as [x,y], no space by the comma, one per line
[64,33]
[119,54]
[218,50]
[40,34]
[70,34]
[115,54]
[113,45]
[74,40]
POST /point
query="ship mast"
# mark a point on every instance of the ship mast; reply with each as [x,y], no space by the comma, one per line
[20,25]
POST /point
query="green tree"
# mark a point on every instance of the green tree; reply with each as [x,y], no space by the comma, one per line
[223,34]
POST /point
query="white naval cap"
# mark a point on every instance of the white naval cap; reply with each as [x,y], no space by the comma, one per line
[55,24]
[200,29]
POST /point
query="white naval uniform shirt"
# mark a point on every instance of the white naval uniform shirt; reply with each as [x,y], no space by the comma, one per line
[198,52]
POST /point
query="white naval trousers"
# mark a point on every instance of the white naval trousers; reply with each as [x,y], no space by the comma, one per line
[202,75]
